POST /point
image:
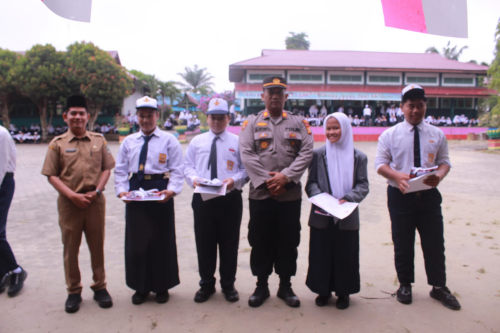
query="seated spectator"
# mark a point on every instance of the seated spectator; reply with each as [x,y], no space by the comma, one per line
[168,124]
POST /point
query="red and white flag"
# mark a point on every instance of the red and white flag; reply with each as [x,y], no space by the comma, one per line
[437,17]
[77,10]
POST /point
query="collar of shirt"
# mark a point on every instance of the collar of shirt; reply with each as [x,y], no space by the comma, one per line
[409,127]
[222,136]
[72,137]
[155,133]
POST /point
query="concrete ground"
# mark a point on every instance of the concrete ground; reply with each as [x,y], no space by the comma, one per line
[472,233]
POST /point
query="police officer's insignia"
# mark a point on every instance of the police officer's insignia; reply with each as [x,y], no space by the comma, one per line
[162,158]
[292,135]
[245,123]
[263,135]
[308,127]
[264,144]
[230,165]
[262,124]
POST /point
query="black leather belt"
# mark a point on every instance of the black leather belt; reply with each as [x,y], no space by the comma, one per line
[157,176]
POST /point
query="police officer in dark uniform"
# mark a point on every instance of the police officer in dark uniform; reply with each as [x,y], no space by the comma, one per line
[276,148]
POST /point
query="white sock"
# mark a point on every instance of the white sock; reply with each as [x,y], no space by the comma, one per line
[17,270]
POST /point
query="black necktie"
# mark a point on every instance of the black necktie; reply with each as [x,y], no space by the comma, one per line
[212,160]
[416,147]
[143,156]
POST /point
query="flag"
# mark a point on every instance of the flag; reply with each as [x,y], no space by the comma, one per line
[437,17]
[77,10]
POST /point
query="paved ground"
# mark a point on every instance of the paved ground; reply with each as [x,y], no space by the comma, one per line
[472,228]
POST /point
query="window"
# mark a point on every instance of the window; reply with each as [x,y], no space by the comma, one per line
[384,78]
[421,80]
[259,77]
[431,103]
[256,76]
[458,80]
[306,77]
[346,78]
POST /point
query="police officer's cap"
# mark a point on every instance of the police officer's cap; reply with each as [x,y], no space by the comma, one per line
[413,91]
[217,106]
[77,101]
[146,102]
[274,82]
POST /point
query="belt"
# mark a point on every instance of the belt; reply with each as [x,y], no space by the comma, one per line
[158,176]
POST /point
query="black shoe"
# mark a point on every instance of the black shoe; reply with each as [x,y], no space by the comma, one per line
[72,303]
[231,295]
[445,297]
[139,298]
[16,282]
[404,294]
[162,297]
[103,298]
[342,302]
[203,294]
[287,294]
[322,300]
[258,297]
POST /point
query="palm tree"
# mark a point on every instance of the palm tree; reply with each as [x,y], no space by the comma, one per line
[449,52]
[196,80]
[170,90]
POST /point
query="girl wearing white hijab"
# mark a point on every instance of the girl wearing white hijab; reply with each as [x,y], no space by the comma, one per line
[339,169]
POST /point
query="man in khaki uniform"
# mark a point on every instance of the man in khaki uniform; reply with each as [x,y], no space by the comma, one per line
[78,165]
[276,148]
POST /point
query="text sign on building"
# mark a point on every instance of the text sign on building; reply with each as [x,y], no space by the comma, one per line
[327,95]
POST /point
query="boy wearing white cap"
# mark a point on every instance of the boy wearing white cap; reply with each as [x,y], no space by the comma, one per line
[215,154]
[414,143]
[150,159]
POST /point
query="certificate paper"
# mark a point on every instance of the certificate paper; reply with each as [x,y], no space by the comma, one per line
[417,183]
[331,205]
[211,191]
[142,195]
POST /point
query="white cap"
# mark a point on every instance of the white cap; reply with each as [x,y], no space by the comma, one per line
[217,106]
[413,90]
[146,102]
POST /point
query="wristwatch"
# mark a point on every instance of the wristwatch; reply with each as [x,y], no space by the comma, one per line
[98,192]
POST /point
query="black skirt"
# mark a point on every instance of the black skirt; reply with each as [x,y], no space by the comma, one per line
[150,247]
[333,261]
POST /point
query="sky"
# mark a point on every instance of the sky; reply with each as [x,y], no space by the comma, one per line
[161,37]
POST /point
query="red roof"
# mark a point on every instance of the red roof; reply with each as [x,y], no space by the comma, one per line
[355,60]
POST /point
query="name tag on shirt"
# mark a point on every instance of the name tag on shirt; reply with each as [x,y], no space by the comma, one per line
[70,150]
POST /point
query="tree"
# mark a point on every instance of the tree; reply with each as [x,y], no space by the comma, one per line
[449,52]
[493,118]
[196,80]
[98,77]
[148,84]
[170,90]
[40,76]
[297,41]
[8,61]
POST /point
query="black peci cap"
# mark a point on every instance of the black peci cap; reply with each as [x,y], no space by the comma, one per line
[76,101]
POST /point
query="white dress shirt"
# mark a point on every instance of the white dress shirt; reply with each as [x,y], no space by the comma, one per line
[7,153]
[164,155]
[228,159]
[395,147]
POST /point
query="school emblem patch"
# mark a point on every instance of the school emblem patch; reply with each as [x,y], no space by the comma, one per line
[162,158]
[230,165]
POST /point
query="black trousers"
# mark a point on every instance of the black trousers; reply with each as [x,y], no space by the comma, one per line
[417,211]
[7,259]
[274,234]
[217,223]
[150,248]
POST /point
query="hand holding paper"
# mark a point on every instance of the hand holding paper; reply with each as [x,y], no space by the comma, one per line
[332,205]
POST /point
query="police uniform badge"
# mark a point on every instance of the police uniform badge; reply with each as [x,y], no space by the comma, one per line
[264,144]
[162,158]
[230,165]
[245,123]
[308,127]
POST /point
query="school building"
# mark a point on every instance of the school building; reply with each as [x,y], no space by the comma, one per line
[352,79]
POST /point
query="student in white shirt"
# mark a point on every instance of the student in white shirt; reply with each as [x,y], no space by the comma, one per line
[215,154]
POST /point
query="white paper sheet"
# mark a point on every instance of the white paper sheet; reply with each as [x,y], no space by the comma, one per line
[331,205]
[417,183]
[143,195]
[210,192]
